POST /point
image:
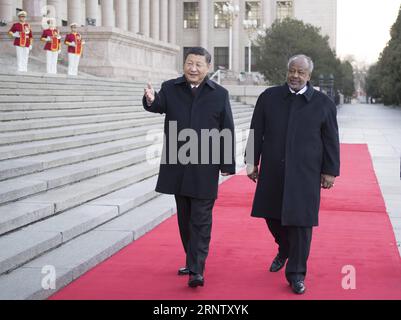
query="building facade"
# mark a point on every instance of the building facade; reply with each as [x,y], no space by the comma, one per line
[147,34]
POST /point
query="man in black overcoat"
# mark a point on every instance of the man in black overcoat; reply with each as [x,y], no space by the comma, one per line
[294,136]
[193,105]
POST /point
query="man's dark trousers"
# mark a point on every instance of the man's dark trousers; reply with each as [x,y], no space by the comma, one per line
[294,244]
[195,223]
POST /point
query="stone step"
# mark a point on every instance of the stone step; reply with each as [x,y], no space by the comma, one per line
[51,133]
[61,106]
[19,125]
[68,87]
[30,124]
[25,244]
[41,147]
[53,108]
[65,92]
[17,167]
[45,114]
[8,115]
[65,98]
[19,214]
[16,188]
[80,192]
[74,130]
[65,80]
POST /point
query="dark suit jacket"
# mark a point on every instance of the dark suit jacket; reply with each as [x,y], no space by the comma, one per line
[296,138]
[208,109]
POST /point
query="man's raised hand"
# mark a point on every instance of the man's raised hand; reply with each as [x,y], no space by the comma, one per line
[149,94]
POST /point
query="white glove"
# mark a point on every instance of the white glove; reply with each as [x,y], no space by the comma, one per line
[30,48]
[83,42]
[72,44]
[59,51]
[48,39]
[16,34]
[58,37]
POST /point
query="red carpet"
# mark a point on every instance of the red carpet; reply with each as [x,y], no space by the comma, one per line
[354,230]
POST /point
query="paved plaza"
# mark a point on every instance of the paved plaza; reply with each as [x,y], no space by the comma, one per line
[380,128]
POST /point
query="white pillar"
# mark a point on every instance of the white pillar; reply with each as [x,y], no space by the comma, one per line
[74,11]
[145,17]
[236,41]
[55,4]
[172,23]
[267,16]
[133,16]
[6,10]
[121,15]
[155,19]
[203,23]
[92,7]
[164,20]
[34,9]
[107,13]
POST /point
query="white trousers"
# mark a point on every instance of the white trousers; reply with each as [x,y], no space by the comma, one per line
[22,58]
[73,62]
[51,58]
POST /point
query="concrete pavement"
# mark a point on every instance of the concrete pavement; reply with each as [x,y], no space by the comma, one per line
[380,128]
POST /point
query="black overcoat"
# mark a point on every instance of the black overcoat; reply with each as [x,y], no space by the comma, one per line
[208,109]
[296,140]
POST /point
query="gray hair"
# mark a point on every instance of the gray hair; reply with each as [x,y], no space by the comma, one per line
[302,56]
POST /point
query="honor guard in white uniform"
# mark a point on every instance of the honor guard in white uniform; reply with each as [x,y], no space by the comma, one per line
[75,48]
[22,33]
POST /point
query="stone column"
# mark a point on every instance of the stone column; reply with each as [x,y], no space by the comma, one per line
[155,19]
[203,23]
[236,41]
[121,15]
[267,18]
[6,10]
[107,13]
[164,20]
[55,10]
[74,11]
[145,17]
[172,23]
[92,7]
[34,10]
[133,16]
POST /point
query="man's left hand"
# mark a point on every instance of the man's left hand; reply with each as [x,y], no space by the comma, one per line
[327,181]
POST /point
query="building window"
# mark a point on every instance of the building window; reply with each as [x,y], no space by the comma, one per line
[191,15]
[285,9]
[253,11]
[254,57]
[220,18]
[220,57]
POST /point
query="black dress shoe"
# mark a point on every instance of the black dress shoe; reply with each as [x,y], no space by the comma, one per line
[196,280]
[277,264]
[298,287]
[183,271]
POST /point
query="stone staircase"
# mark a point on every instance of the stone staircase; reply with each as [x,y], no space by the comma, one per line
[76,183]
